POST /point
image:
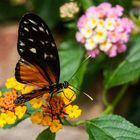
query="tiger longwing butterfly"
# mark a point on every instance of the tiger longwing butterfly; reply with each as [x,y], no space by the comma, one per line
[39,63]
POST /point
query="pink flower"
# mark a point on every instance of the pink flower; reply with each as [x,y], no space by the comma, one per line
[114,36]
[127,24]
[82,21]
[103,28]
[119,25]
[93,53]
[113,51]
[121,47]
[80,37]
[119,10]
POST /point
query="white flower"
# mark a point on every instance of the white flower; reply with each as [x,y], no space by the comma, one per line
[90,44]
[105,46]
[100,23]
[100,35]
[110,24]
[86,32]
[92,22]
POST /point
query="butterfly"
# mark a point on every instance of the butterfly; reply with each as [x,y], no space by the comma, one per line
[39,64]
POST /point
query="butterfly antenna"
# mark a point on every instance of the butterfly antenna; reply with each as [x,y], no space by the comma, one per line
[82,92]
[80,66]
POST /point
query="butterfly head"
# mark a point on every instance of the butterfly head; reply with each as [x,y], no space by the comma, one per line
[65,84]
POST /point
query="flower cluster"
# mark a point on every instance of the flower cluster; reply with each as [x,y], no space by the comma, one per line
[49,110]
[103,28]
[9,112]
[55,108]
[69,10]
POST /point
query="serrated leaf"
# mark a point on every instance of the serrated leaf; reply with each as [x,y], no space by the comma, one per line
[112,127]
[129,69]
[46,135]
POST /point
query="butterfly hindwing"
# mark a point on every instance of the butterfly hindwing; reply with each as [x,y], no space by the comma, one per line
[38,51]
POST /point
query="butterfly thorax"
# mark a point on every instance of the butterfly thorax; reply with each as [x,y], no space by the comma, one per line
[57,86]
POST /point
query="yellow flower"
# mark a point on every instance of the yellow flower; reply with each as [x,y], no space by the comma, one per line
[55,126]
[36,117]
[68,95]
[73,111]
[10,117]
[20,111]
[2,119]
[46,121]
[12,83]
[27,89]
[36,103]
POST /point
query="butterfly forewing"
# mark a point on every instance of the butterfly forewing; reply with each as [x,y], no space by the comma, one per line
[38,50]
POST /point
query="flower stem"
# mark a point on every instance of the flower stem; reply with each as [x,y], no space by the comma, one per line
[110,107]
[120,95]
[105,101]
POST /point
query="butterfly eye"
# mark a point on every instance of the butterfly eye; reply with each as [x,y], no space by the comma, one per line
[65,84]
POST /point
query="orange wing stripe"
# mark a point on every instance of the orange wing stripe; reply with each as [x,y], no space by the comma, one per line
[32,75]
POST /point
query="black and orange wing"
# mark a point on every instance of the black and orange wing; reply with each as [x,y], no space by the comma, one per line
[39,63]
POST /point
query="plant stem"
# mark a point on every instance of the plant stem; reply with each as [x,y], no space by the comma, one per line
[110,107]
[105,98]
[120,95]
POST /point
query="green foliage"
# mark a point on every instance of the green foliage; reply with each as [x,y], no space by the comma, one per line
[128,69]
[48,10]
[71,56]
[46,135]
[13,11]
[112,127]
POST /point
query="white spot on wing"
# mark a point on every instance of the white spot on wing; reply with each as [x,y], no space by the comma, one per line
[47,32]
[25,22]
[46,42]
[53,45]
[26,29]
[42,42]
[21,43]
[32,21]
[45,55]
[21,50]
[34,29]
[41,29]
[30,39]
[33,50]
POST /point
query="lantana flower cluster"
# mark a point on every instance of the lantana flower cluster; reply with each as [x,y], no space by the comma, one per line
[56,108]
[103,28]
[9,112]
[49,110]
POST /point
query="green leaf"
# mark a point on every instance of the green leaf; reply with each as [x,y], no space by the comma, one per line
[86,3]
[128,70]
[71,56]
[46,135]
[112,127]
